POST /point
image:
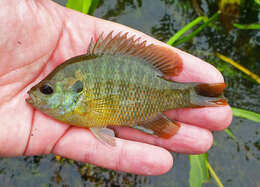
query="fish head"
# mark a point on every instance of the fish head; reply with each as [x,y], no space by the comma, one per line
[56,97]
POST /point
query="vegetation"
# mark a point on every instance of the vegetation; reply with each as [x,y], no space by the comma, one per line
[84,6]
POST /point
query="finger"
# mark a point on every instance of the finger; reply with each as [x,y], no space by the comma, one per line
[212,118]
[133,157]
[15,120]
[45,132]
[189,139]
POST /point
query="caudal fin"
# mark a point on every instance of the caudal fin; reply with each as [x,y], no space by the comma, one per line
[208,95]
[210,90]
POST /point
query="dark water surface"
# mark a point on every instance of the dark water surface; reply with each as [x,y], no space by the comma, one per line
[236,162]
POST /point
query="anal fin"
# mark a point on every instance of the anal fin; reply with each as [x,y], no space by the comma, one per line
[104,135]
[161,126]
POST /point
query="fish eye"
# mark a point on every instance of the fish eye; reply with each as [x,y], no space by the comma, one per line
[77,86]
[46,89]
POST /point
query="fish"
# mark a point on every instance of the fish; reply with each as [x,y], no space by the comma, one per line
[121,81]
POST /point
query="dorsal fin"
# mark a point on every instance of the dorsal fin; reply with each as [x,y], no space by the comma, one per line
[162,58]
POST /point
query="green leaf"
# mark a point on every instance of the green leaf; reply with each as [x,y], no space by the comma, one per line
[213,174]
[187,27]
[230,133]
[79,5]
[246,114]
[198,170]
[198,30]
[250,26]
[238,66]
[257,2]
[84,6]
[93,7]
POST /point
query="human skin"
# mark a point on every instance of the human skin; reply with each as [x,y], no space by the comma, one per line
[38,35]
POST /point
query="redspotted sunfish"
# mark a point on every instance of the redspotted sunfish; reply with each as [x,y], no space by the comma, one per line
[121,81]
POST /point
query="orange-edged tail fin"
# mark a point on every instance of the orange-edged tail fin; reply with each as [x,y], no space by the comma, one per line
[210,90]
[221,102]
[208,95]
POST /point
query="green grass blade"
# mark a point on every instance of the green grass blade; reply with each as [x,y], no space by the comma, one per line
[246,114]
[213,174]
[93,7]
[230,133]
[198,170]
[185,29]
[80,5]
[250,26]
[238,66]
[198,30]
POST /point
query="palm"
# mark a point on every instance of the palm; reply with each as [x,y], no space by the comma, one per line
[35,41]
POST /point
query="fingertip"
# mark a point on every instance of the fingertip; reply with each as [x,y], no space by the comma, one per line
[218,118]
[191,140]
[168,163]
[197,70]
[204,143]
[165,162]
[225,119]
[150,163]
[211,118]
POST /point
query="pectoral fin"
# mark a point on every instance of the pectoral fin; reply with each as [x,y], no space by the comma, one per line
[103,109]
[108,104]
[104,135]
[161,126]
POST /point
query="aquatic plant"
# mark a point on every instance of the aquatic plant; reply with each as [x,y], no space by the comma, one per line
[84,6]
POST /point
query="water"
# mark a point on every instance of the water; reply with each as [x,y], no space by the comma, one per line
[236,162]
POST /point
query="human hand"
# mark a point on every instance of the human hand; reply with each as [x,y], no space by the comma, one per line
[37,36]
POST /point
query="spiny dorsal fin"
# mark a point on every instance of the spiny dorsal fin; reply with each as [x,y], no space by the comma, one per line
[162,58]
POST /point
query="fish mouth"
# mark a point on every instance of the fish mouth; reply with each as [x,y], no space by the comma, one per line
[29,100]
[32,99]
